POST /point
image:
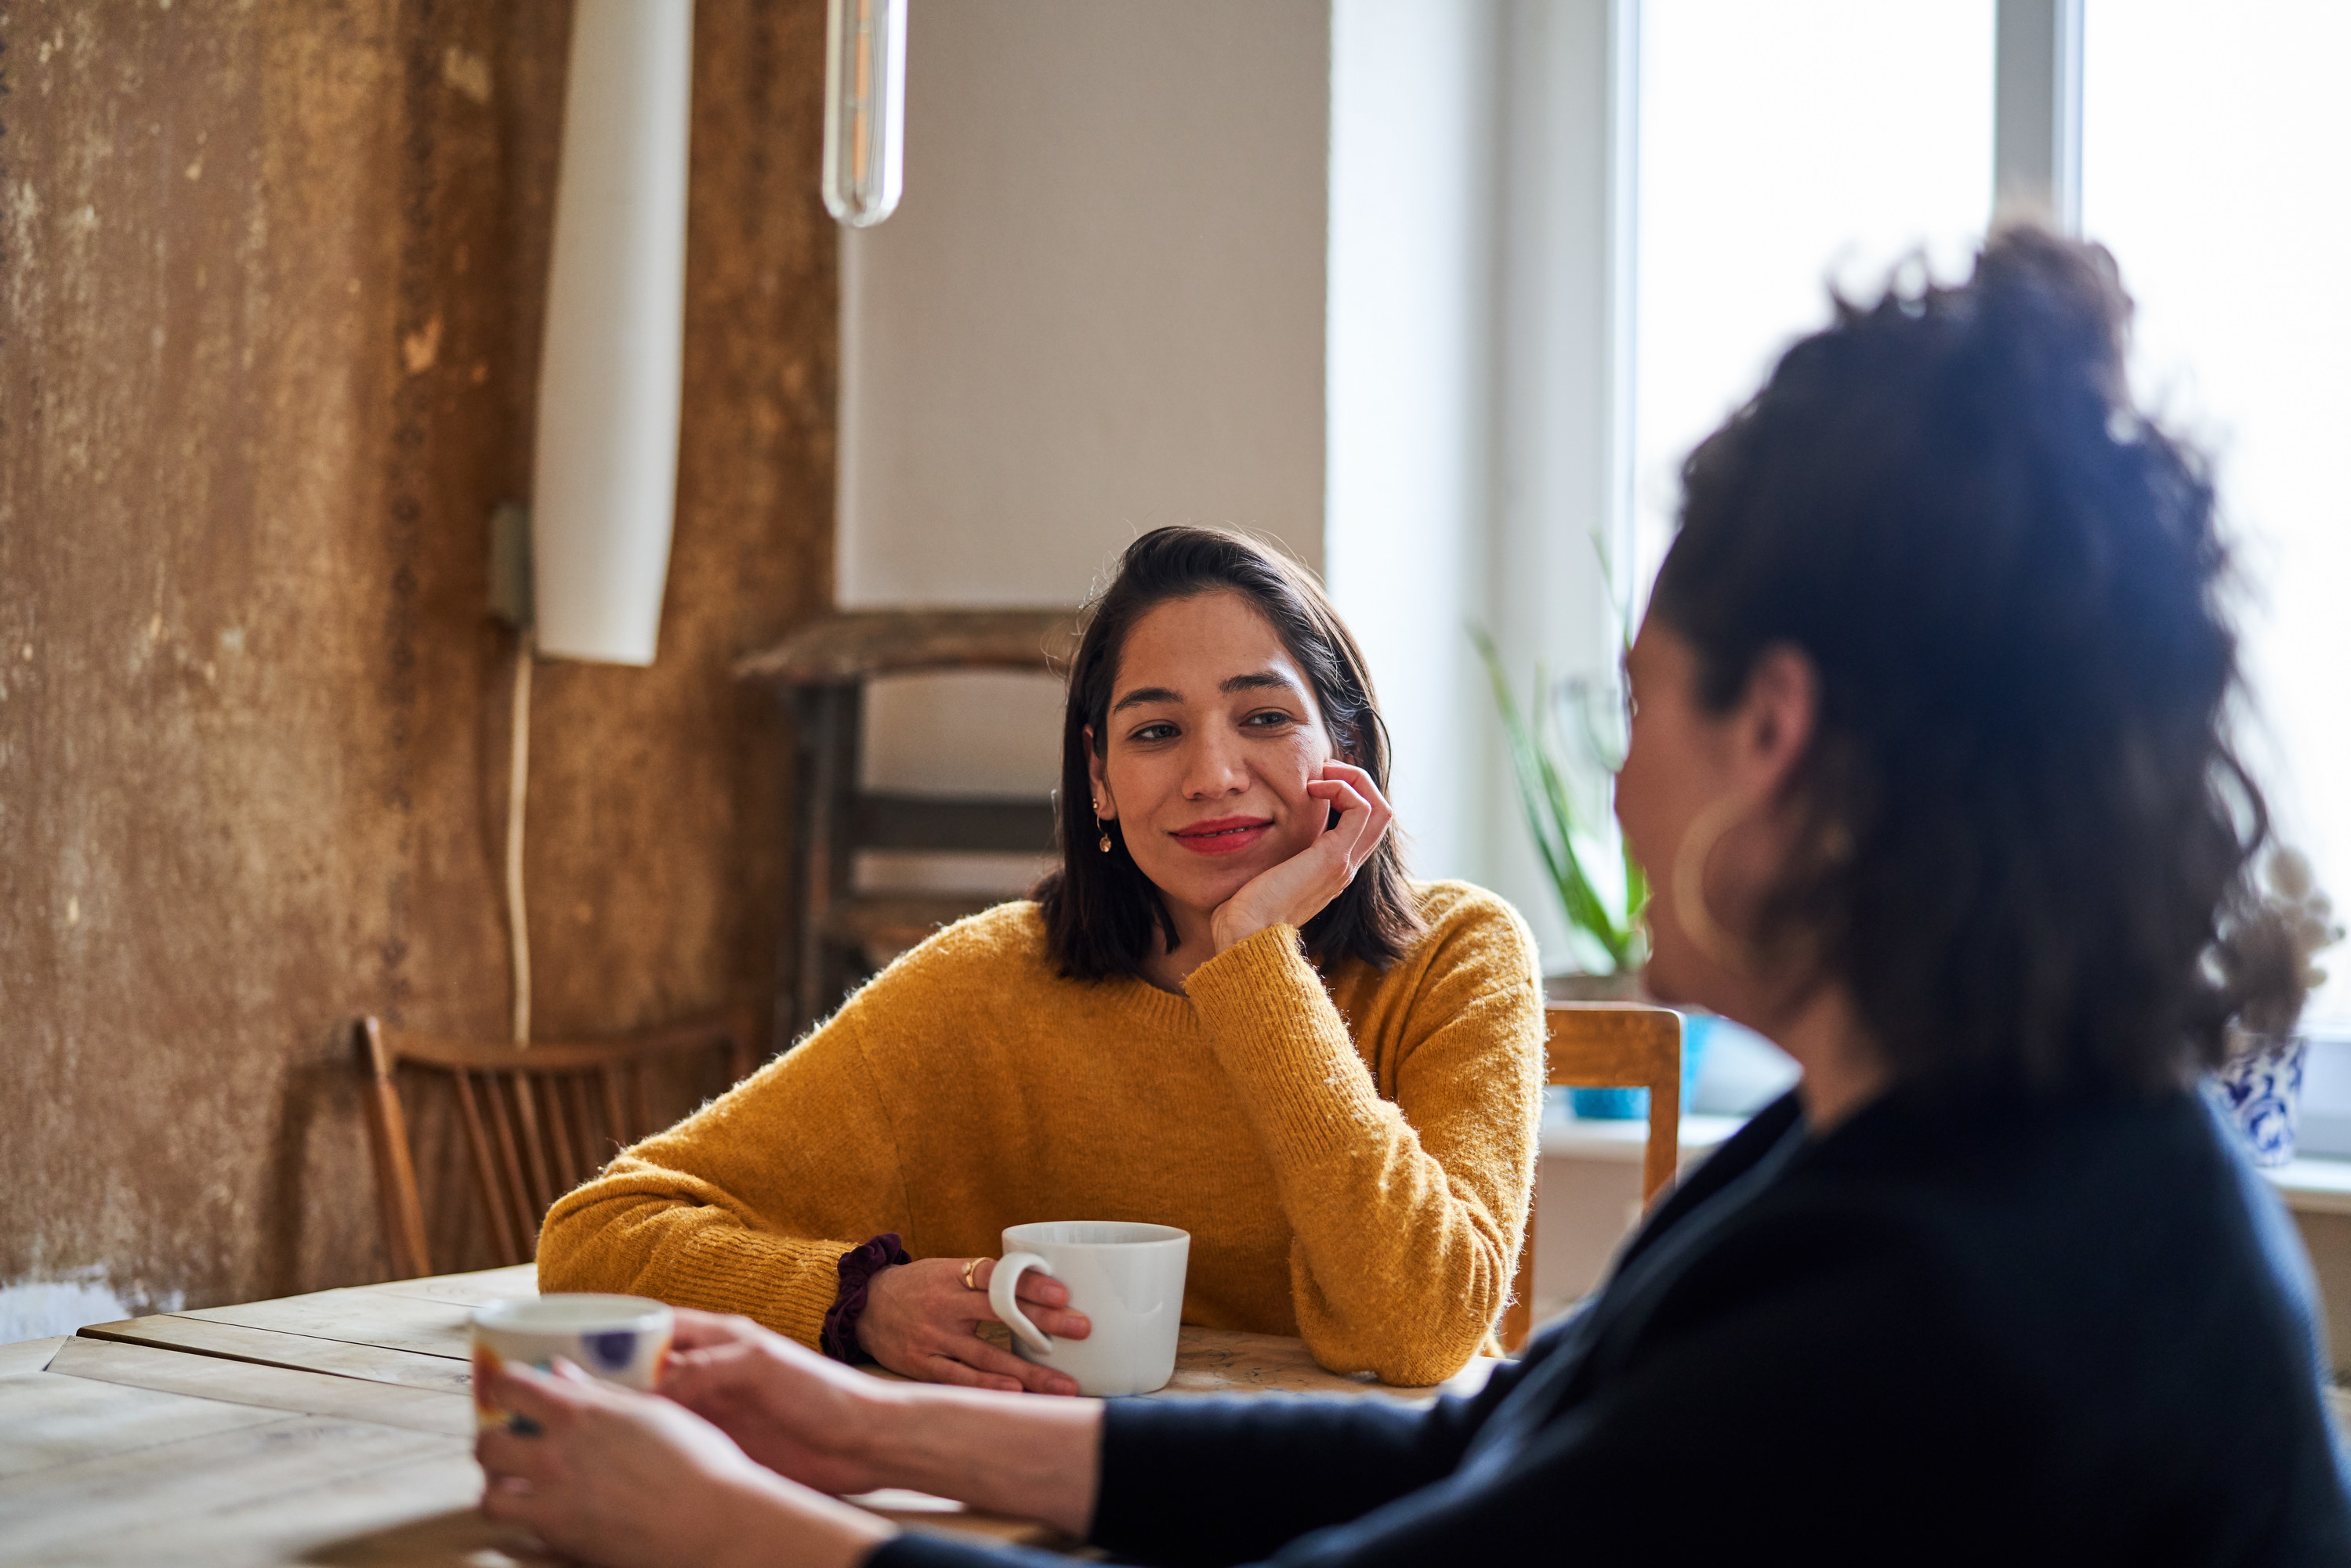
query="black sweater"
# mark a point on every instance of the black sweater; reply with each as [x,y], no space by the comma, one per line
[1984,1332]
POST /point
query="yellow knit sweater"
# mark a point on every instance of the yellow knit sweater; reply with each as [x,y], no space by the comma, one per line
[1354,1163]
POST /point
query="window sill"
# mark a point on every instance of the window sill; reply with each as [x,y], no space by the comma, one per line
[1582,1138]
[2313,1185]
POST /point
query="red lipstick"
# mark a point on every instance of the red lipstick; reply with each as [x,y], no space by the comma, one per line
[1223,835]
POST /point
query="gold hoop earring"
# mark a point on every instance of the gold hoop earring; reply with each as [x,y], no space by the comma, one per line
[1101,841]
[1696,921]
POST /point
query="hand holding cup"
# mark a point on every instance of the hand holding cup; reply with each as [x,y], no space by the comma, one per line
[920,1321]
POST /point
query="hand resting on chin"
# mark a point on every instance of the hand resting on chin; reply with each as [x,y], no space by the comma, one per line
[1297,890]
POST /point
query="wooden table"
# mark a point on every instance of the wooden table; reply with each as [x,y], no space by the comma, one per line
[337,1428]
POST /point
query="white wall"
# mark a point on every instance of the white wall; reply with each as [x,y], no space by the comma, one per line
[1413,124]
[1563,375]
[1099,309]
[1337,271]
[1476,367]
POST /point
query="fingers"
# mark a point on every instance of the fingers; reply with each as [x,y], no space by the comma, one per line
[1376,814]
[510,1454]
[1361,777]
[1042,1298]
[1365,786]
[947,1369]
[1060,1324]
[564,1370]
[1345,796]
[508,1500]
[1002,1369]
[693,1373]
[696,1330]
[529,1392]
[1035,1289]
[1041,1291]
[966,1361]
[1040,1288]
[1356,832]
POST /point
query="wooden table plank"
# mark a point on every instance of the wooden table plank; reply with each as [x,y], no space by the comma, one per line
[420,1514]
[469,1290]
[329,1367]
[354,1332]
[1214,1361]
[271,1387]
[171,1486]
[28,1354]
[361,1316]
[48,1419]
[1227,1361]
[342,1358]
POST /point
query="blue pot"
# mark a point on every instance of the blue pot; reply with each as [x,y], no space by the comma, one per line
[2259,1094]
[1632,1104]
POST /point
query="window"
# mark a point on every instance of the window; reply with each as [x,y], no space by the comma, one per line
[2215,143]
[1780,147]
[1784,146]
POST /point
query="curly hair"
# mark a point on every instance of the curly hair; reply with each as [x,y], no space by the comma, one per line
[1103,915]
[2027,834]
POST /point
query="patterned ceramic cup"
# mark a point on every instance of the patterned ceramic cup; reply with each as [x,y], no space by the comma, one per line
[2259,1094]
[620,1338]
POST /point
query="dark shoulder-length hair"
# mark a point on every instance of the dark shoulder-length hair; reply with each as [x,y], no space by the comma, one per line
[2029,837]
[1103,915]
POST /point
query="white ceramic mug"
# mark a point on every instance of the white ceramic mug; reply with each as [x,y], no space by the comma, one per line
[620,1338]
[1127,1279]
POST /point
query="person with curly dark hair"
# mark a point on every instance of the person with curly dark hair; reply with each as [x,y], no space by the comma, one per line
[1929,768]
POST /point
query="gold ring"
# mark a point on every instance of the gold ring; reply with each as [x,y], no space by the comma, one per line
[967,1268]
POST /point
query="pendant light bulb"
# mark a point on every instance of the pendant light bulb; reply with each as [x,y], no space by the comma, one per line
[864,109]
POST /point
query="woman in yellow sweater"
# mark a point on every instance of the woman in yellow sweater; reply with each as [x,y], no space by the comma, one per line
[1226,1011]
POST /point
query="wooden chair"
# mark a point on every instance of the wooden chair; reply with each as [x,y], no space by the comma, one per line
[539,1119]
[1610,1045]
[819,673]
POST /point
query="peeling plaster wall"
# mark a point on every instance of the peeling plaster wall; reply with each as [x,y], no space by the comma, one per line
[271,277]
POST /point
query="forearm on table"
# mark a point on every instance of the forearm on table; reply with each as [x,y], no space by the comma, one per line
[1400,1267]
[1407,1262]
[748,1205]
[1407,1213]
[770,1522]
[691,1255]
[1020,1455]
[1408,1286]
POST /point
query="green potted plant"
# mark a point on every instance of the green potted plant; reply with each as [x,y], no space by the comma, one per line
[1565,752]
[1565,748]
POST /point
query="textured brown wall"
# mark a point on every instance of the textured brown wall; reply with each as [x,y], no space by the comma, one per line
[272,278]
[2328,1237]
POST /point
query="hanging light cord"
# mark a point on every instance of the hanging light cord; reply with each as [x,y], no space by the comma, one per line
[517,781]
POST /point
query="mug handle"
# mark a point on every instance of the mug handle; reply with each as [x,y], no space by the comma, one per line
[1002,1282]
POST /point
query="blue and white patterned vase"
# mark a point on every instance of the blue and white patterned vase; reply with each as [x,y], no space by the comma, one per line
[2259,1092]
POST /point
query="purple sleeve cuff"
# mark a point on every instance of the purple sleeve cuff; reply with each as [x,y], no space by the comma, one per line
[858,1267]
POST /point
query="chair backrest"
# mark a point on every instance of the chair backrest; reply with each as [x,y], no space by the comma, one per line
[1609,1045]
[819,672]
[538,1119]
[853,646]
